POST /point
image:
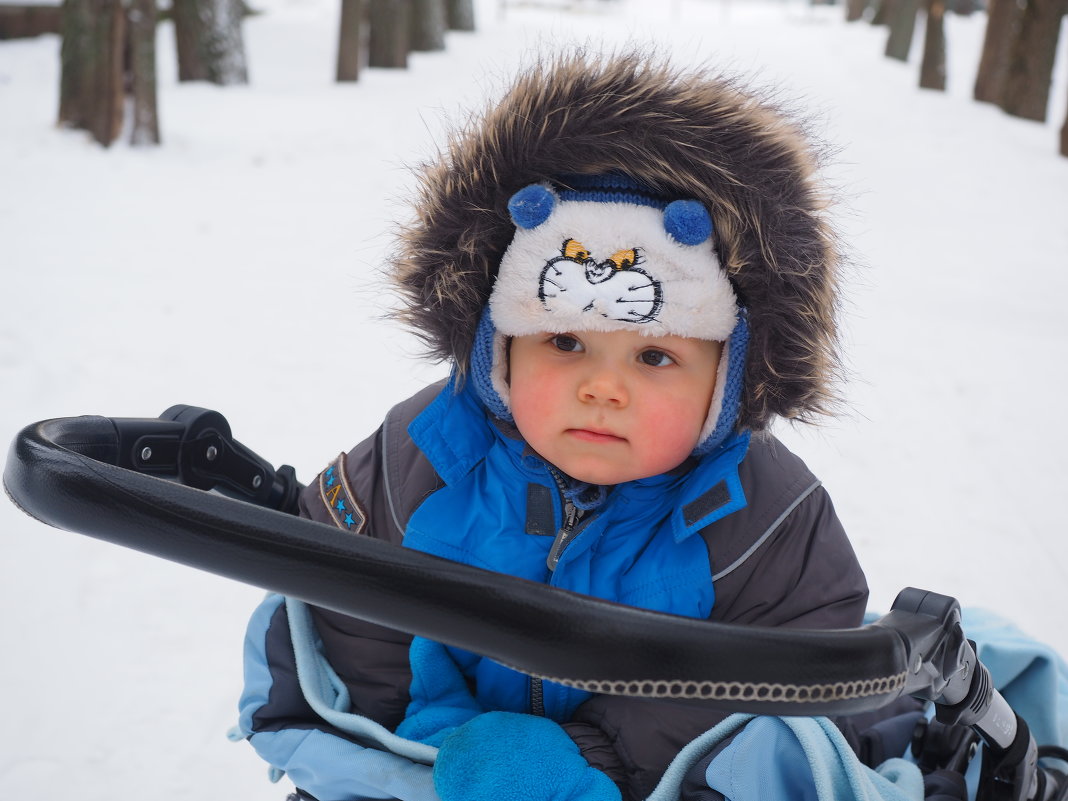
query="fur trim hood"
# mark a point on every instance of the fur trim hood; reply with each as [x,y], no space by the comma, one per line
[683,134]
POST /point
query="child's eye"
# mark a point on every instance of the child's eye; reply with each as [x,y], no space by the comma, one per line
[567,343]
[655,358]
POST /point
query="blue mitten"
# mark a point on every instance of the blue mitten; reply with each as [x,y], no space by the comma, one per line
[506,756]
[440,699]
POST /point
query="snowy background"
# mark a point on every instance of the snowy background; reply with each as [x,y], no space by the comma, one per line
[236,268]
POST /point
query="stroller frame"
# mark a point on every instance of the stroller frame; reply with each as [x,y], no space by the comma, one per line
[58,469]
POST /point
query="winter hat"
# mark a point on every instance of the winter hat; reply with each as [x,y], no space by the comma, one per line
[605,253]
[680,135]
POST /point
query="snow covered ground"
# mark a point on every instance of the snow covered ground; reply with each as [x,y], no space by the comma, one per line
[236,268]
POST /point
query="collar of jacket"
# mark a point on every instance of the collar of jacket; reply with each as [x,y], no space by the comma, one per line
[455,433]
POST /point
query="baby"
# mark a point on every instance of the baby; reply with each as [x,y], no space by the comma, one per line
[628,269]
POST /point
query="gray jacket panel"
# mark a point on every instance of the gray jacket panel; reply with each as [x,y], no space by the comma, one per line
[390,476]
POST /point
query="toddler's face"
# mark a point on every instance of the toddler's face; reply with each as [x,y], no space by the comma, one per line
[611,407]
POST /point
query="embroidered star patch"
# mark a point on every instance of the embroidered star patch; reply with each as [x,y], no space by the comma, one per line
[338,498]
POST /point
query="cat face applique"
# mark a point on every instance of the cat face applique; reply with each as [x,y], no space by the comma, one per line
[614,287]
[617,264]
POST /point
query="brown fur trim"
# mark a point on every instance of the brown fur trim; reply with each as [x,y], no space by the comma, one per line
[685,134]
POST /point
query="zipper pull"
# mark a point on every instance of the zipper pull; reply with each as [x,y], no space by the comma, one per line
[563,536]
[570,515]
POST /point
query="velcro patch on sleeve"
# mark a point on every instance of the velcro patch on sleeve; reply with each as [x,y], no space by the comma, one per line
[339,499]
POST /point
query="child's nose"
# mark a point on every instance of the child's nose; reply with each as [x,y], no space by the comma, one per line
[604,386]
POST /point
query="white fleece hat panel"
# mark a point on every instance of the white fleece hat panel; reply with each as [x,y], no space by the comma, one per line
[608,266]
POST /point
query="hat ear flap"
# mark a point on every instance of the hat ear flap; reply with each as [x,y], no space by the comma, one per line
[532,205]
[687,222]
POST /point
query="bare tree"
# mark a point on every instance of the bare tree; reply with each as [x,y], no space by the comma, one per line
[349,46]
[460,15]
[210,46]
[1029,67]
[963,8]
[854,10]
[91,67]
[388,43]
[884,12]
[142,79]
[933,68]
[902,23]
[18,22]
[427,25]
[1064,137]
[1001,25]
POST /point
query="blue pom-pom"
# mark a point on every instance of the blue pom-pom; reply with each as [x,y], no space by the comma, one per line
[688,222]
[531,206]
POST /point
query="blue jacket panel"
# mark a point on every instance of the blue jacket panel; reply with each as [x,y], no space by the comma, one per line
[638,547]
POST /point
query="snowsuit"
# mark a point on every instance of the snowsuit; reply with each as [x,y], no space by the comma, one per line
[746,535]
[740,532]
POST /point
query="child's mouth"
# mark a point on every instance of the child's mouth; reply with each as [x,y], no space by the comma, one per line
[591,435]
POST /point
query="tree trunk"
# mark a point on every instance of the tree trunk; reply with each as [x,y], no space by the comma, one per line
[1001,25]
[1064,137]
[902,27]
[19,22]
[427,25]
[76,27]
[91,89]
[460,15]
[210,47]
[933,68]
[142,36]
[964,8]
[388,44]
[884,12]
[854,10]
[1029,68]
[348,47]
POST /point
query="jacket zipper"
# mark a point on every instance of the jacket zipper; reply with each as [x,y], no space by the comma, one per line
[537,697]
[563,538]
[567,532]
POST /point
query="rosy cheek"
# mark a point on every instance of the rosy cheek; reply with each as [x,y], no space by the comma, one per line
[673,429]
[533,396]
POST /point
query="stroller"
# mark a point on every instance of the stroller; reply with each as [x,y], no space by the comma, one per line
[144,483]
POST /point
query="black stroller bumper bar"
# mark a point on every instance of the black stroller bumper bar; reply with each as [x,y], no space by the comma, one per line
[102,477]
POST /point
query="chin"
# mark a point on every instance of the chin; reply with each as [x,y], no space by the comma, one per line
[605,477]
[618,472]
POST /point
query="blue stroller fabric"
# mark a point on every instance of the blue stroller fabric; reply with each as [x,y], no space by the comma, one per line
[801,759]
[371,763]
[1031,675]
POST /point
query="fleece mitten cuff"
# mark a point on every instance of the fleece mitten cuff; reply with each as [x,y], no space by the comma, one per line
[506,756]
[441,700]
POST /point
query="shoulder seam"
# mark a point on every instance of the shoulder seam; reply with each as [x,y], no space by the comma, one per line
[770,530]
[387,441]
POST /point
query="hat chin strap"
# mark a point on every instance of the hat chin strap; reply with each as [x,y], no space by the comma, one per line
[715,406]
[727,396]
[489,372]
